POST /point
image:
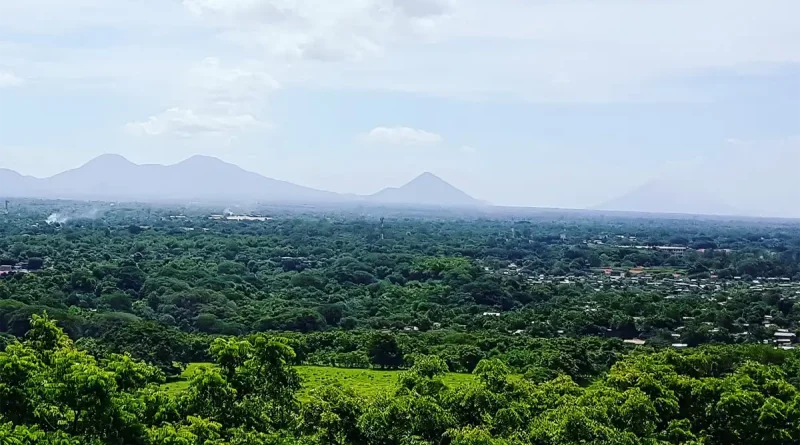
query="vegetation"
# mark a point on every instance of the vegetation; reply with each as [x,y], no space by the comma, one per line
[438,329]
[163,291]
[365,382]
[54,393]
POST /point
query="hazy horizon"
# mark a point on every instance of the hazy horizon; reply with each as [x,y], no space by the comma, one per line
[194,156]
[565,104]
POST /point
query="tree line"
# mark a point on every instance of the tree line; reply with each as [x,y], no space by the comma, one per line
[164,291]
[54,392]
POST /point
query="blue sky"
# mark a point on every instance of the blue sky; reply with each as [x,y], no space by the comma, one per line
[536,103]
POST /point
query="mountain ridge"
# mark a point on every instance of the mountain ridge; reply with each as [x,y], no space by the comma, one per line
[207,178]
[667,196]
[425,189]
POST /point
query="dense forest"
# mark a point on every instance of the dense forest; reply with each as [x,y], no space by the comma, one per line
[52,392]
[579,328]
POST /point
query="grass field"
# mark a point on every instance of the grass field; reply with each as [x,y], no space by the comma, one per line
[366,382]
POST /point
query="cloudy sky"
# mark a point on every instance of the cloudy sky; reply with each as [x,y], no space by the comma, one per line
[520,102]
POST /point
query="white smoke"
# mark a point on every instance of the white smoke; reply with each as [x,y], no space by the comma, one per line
[57,218]
[62,218]
[91,214]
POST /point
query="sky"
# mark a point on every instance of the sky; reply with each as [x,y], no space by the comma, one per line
[552,103]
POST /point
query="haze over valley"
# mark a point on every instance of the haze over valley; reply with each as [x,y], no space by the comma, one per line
[208,179]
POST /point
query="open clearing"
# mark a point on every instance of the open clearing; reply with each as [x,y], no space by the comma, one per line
[367,382]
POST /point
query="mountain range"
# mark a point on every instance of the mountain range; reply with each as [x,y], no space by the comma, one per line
[208,179]
[670,196]
[203,178]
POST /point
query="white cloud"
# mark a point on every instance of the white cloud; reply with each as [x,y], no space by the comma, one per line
[216,100]
[425,8]
[49,17]
[568,51]
[468,149]
[400,136]
[229,86]
[187,123]
[317,30]
[735,141]
[584,51]
[8,80]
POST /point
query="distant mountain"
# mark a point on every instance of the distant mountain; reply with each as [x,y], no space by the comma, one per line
[207,179]
[202,178]
[14,184]
[426,189]
[665,196]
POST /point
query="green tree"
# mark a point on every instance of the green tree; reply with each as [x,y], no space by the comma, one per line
[385,352]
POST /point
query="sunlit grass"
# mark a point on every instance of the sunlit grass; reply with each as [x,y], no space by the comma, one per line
[366,382]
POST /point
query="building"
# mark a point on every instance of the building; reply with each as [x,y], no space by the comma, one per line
[672,250]
[248,218]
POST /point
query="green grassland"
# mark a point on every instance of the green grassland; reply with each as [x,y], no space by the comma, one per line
[367,382]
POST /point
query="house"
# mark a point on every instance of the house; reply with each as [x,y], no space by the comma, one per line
[680,345]
[248,218]
[634,341]
[672,250]
[239,218]
[491,314]
[785,335]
